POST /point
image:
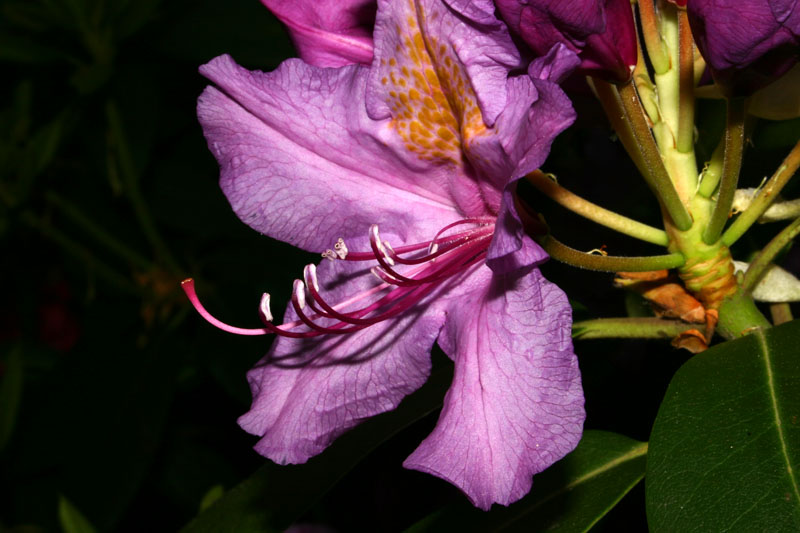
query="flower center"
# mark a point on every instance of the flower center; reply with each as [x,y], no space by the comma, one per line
[407,274]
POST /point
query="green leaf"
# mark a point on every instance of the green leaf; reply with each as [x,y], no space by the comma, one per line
[570,496]
[275,496]
[10,395]
[725,445]
[71,519]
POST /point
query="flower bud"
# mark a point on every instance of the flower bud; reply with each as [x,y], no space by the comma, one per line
[746,43]
[601,32]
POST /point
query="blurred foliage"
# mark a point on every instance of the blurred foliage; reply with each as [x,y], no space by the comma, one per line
[118,405]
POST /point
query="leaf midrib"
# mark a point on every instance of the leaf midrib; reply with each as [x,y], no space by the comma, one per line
[762,340]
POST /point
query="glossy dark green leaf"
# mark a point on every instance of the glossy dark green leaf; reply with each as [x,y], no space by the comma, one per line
[725,447]
[571,496]
[10,395]
[275,496]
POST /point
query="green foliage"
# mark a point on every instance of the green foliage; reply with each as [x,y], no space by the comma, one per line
[725,447]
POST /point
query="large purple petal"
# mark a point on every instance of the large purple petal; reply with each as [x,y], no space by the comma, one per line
[328,33]
[302,162]
[308,392]
[749,43]
[515,405]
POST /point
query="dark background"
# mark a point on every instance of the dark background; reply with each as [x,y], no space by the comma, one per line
[108,199]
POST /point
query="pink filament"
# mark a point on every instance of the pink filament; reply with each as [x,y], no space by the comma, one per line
[446,256]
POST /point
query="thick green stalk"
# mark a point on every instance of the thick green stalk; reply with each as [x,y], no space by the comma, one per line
[629,328]
[608,263]
[657,176]
[594,212]
[732,164]
[738,316]
[765,197]
[685,140]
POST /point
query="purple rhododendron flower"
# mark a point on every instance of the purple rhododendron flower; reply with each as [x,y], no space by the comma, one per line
[409,167]
[601,32]
[746,43]
[328,33]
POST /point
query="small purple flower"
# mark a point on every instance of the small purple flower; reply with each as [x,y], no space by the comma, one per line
[426,145]
[746,43]
[601,32]
[328,33]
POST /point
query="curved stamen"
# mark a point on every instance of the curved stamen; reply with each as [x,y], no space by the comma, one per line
[188,287]
[444,256]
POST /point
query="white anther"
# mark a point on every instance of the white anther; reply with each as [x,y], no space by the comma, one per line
[330,255]
[310,274]
[341,248]
[376,236]
[264,307]
[433,248]
[300,292]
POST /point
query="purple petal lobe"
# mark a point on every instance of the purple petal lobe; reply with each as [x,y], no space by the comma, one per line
[302,162]
[328,33]
[308,392]
[744,56]
[542,111]
[602,32]
[515,406]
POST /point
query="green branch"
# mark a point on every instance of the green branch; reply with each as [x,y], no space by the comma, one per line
[765,197]
[758,267]
[732,164]
[630,328]
[595,213]
[608,263]
[656,176]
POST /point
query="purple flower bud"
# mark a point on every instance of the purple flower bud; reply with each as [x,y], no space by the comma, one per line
[746,43]
[601,32]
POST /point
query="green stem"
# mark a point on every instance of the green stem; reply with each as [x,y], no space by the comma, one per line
[596,213]
[629,328]
[131,180]
[608,263]
[734,146]
[685,141]
[81,253]
[758,267]
[609,99]
[764,198]
[713,171]
[98,233]
[657,177]
[652,36]
[738,316]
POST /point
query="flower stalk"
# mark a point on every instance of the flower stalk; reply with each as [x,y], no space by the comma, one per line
[594,212]
[608,263]
[732,164]
[765,197]
[759,265]
[657,176]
